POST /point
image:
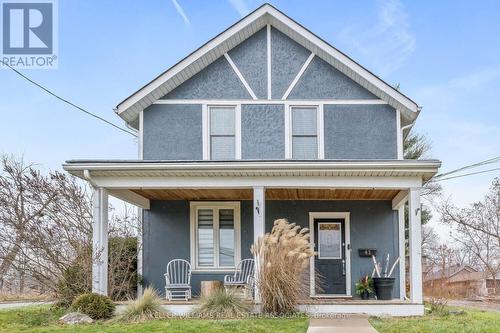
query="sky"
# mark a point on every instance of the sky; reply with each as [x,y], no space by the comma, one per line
[445,55]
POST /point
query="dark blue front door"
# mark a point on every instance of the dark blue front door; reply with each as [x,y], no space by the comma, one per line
[329,261]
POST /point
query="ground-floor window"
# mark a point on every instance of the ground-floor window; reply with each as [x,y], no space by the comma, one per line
[215,235]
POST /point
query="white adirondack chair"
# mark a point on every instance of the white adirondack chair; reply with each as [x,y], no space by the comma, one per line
[242,277]
[178,280]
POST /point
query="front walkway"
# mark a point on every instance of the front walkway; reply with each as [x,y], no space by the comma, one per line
[342,323]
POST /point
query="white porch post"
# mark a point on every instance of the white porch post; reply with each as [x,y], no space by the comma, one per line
[100,241]
[415,240]
[259,216]
[402,252]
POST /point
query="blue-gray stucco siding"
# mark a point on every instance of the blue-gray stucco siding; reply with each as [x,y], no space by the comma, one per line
[172,132]
[287,58]
[322,81]
[216,81]
[360,132]
[263,131]
[250,57]
[166,234]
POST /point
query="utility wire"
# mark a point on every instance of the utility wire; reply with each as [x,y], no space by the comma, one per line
[466,174]
[475,165]
[68,102]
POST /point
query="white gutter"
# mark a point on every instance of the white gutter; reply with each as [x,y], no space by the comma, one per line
[380,165]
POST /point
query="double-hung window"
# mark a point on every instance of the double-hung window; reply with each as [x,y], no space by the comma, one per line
[222,132]
[304,132]
[215,235]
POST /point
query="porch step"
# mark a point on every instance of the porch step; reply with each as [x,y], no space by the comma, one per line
[347,323]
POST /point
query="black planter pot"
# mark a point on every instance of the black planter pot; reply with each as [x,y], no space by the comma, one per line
[383,287]
[365,295]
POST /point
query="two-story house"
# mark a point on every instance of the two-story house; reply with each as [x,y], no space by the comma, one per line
[268,121]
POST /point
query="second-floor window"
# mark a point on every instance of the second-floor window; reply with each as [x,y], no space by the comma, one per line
[222,133]
[304,132]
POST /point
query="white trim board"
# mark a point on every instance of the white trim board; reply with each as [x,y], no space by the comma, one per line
[298,76]
[347,249]
[272,101]
[240,76]
[269,64]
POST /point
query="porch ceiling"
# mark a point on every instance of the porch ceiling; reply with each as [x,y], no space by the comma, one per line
[271,194]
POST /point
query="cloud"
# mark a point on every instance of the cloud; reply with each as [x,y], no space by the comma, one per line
[181,12]
[385,44]
[477,78]
[240,6]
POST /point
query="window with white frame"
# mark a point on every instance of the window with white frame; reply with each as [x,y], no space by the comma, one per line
[215,234]
[222,132]
[304,132]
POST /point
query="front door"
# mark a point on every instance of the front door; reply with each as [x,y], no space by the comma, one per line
[330,258]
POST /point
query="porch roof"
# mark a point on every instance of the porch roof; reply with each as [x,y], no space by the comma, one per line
[425,169]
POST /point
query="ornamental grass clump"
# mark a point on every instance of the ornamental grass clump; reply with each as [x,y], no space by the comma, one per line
[282,262]
[146,307]
[222,304]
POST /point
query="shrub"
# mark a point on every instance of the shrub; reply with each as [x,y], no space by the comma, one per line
[438,306]
[283,258]
[222,304]
[146,307]
[123,275]
[94,305]
[75,280]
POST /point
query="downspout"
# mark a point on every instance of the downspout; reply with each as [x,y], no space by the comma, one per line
[86,175]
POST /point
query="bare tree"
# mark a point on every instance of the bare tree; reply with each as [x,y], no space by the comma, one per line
[46,233]
[477,229]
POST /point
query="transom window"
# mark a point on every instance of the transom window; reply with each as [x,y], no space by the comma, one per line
[222,132]
[215,234]
[304,132]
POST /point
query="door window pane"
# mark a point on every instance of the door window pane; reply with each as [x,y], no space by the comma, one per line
[329,241]
[226,237]
[205,237]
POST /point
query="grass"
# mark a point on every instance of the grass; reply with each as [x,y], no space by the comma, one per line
[145,307]
[222,304]
[41,319]
[458,321]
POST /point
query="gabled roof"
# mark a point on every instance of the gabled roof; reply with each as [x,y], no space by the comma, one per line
[130,108]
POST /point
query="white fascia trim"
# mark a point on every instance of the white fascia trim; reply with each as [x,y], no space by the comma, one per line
[130,197]
[298,76]
[272,101]
[240,76]
[305,180]
[269,64]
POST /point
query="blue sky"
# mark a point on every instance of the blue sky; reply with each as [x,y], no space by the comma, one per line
[444,55]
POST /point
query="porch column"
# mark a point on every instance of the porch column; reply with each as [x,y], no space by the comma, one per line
[100,241]
[402,252]
[415,242]
[259,217]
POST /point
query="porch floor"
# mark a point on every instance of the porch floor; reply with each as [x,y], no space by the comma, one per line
[312,301]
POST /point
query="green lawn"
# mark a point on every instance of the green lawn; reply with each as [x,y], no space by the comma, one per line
[469,321]
[42,319]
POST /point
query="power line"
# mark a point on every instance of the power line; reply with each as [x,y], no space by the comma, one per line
[475,165]
[66,101]
[466,174]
